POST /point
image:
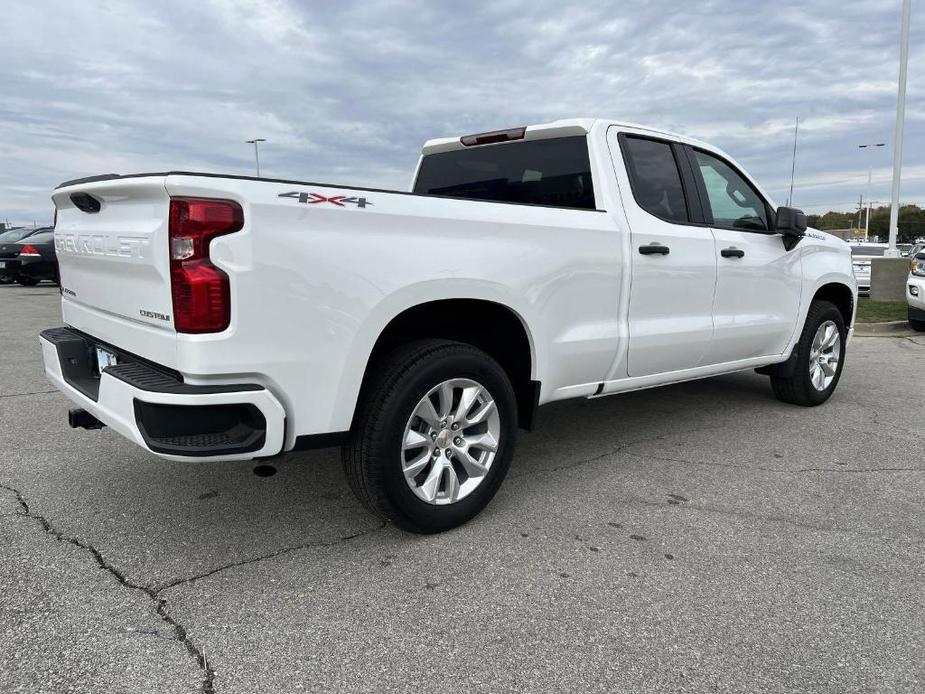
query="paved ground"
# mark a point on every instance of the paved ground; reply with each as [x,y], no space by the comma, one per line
[702,537]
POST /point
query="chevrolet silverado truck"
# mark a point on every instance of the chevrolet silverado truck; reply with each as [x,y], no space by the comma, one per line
[219,317]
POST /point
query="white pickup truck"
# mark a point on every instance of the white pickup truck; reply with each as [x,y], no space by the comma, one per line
[213,317]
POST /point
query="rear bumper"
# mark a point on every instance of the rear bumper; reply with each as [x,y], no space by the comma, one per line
[9,267]
[38,268]
[157,410]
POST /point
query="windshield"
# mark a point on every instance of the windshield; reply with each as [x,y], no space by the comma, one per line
[13,235]
[40,237]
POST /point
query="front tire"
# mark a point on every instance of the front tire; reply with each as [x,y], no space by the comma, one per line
[434,436]
[820,357]
[917,325]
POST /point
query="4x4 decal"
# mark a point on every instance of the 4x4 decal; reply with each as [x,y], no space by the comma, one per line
[315,198]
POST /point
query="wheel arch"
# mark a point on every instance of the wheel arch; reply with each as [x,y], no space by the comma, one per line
[489,325]
[839,294]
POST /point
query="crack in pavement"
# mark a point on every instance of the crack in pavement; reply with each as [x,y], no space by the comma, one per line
[625,448]
[614,451]
[751,516]
[153,592]
[785,471]
[160,604]
[269,555]
[20,395]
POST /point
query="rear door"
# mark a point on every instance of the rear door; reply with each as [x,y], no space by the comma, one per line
[758,281]
[673,260]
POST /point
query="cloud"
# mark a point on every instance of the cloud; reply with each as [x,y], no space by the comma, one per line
[347,93]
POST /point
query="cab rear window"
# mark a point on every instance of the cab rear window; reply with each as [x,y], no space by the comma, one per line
[554,172]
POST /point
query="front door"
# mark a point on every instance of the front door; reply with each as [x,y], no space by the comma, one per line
[758,281]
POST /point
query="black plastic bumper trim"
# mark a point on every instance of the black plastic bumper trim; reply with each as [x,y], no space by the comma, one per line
[77,356]
[311,441]
[201,430]
[143,377]
[77,360]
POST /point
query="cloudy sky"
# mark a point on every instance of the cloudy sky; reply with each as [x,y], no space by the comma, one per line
[347,92]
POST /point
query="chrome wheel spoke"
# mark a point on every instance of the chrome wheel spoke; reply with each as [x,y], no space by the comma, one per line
[445,395]
[466,401]
[484,441]
[818,378]
[414,439]
[481,414]
[473,466]
[414,467]
[817,341]
[425,410]
[450,484]
[431,485]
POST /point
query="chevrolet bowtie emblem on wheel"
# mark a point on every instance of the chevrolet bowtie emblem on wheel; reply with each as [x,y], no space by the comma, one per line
[315,198]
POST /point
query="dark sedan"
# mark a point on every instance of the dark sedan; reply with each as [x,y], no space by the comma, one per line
[31,259]
[11,242]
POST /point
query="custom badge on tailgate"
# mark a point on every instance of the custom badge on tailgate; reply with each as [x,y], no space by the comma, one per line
[315,198]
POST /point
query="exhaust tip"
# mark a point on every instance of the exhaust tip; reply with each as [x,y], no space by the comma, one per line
[81,419]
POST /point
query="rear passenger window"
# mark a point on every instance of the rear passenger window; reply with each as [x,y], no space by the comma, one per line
[554,172]
[655,178]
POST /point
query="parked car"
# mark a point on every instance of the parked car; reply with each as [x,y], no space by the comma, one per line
[10,246]
[915,290]
[37,258]
[9,249]
[230,317]
[861,256]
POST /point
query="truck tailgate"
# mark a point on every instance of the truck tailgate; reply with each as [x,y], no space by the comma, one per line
[111,238]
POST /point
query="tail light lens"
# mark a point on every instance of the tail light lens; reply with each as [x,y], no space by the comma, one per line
[29,250]
[201,294]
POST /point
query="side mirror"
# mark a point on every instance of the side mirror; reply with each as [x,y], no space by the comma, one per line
[791,224]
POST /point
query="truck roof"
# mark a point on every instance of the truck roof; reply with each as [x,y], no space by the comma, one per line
[558,128]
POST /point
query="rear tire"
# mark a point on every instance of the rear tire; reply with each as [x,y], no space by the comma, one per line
[397,462]
[27,281]
[815,375]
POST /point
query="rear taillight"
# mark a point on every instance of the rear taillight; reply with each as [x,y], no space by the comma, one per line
[201,294]
[29,250]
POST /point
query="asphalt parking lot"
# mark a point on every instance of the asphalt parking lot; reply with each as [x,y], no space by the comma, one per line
[700,537]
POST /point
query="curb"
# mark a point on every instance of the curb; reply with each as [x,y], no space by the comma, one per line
[896,328]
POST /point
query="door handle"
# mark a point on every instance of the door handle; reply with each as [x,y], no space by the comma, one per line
[654,248]
[732,252]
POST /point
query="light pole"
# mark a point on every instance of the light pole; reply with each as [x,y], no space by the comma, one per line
[256,152]
[793,164]
[870,170]
[900,121]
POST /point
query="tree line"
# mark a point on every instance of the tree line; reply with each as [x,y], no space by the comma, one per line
[911,223]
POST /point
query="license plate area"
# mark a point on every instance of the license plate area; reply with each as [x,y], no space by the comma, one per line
[104,358]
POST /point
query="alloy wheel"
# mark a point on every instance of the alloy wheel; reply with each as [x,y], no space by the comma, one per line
[450,441]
